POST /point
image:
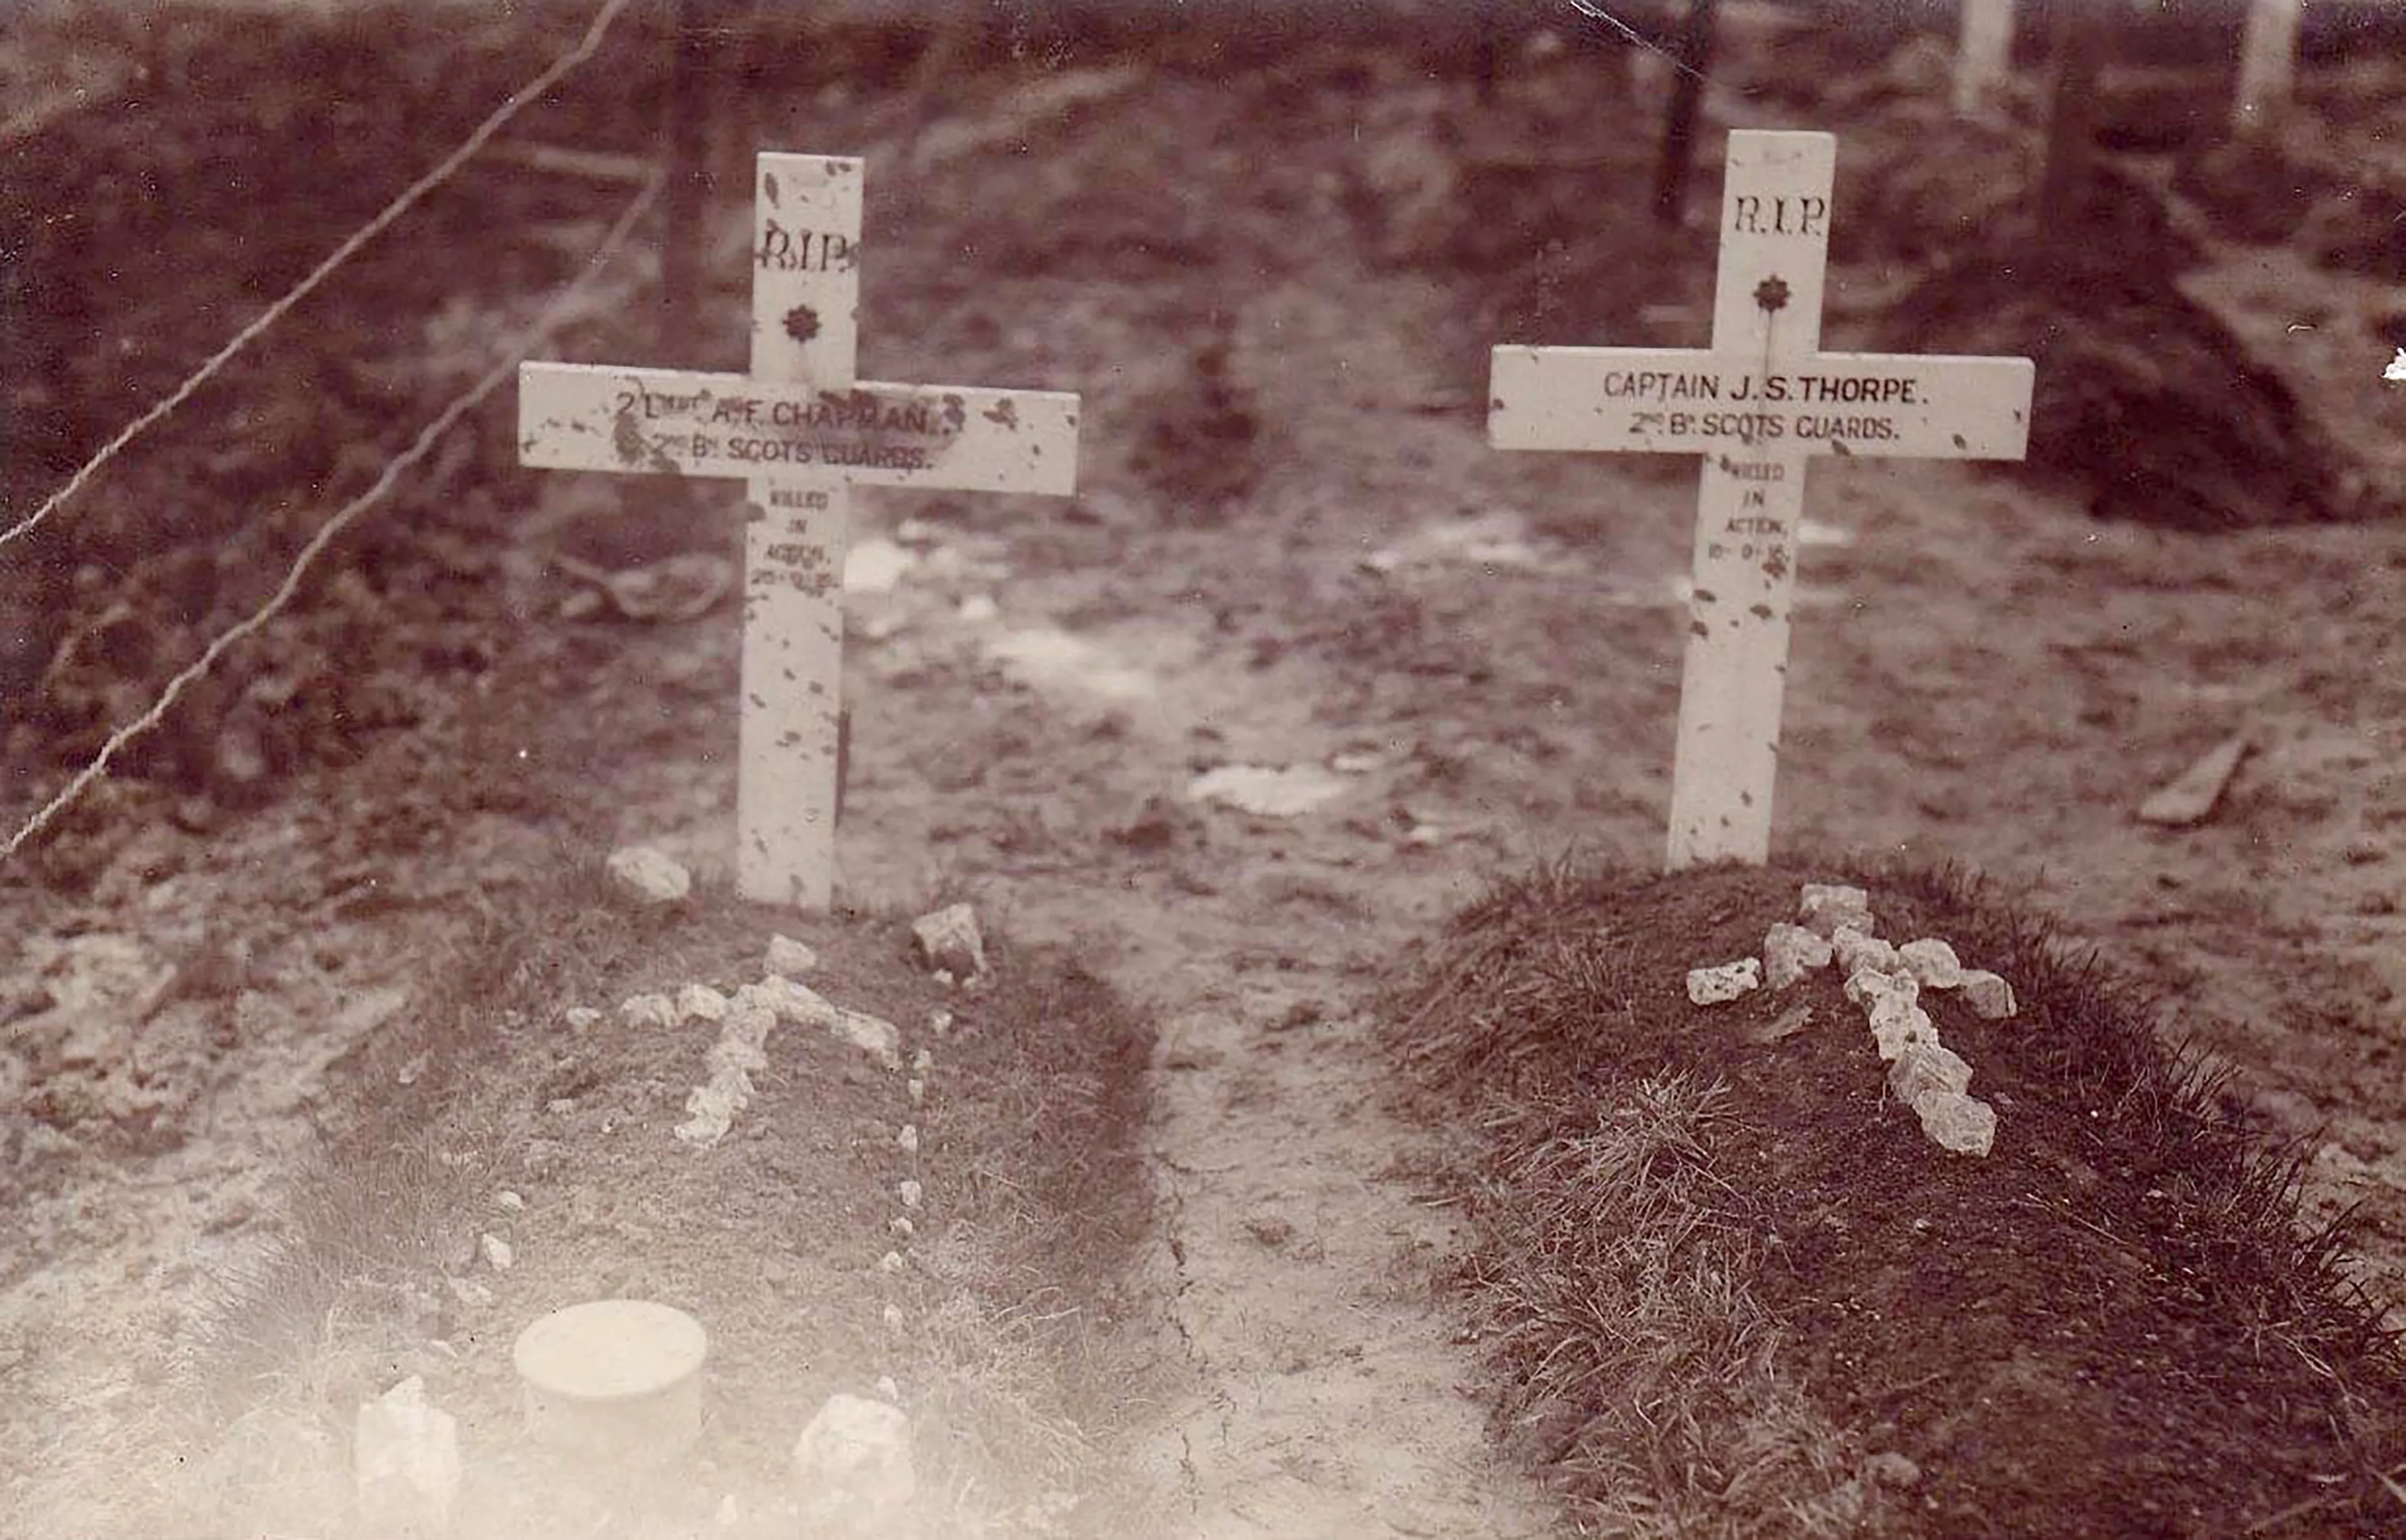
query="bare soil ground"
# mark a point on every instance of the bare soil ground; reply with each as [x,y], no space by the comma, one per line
[1271,255]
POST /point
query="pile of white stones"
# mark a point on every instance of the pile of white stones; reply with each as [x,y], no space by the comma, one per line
[1886,981]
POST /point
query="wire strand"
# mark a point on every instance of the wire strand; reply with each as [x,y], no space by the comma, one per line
[443,170]
[554,311]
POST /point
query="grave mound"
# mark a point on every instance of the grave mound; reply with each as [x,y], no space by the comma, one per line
[2145,399]
[1729,1286]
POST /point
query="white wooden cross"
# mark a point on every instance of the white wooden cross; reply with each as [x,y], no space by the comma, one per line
[1761,403]
[801,430]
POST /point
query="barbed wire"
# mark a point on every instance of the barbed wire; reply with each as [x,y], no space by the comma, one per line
[443,170]
[554,311]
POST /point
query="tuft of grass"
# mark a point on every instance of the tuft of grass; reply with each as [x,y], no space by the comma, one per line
[1611,1265]
[1654,1270]
[1041,1131]
[2107,1036]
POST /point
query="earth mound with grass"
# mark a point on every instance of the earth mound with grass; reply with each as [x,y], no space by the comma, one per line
[1732,1288]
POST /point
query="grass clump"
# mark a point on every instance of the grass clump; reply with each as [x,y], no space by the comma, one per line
[1731,1289]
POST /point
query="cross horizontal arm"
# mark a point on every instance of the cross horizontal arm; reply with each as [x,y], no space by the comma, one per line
[1683,400]
[577,416]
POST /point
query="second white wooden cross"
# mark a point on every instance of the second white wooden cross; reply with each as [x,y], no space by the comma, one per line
[799,430]
[1756,406]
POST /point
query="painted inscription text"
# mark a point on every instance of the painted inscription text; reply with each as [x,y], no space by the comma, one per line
[842,430]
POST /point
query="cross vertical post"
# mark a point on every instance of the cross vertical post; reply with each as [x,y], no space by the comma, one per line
[1758,404]
[806,219]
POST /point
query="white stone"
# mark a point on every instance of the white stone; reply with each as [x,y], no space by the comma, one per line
[1867,984]
[497,1252]
[581,1017]
[735,1052]
[907,1140]
[1823,907]
[790,958]
[901,1227]
[949,941]
[405,1459]
[799,1005]
[711,1108]
[923,1063]
[917,1090]
[650,876]
[1933,962]
[1791,952]
[1898,1024]
[1928,1067]
[655,1010]
[770,428]
[890,1262]
[853,1469]
[1856,950]
[1724,982]
[700,1003]
[510,1201]
[910,1192]
[1987,994]
[1957,1122]
[893,1317]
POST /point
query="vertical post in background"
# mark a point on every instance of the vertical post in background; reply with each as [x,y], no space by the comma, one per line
[1695,60]
[2268,62]
[2079,32]
[688,176]
[1983,46]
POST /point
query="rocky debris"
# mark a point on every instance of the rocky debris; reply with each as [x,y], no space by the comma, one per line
[652,1010]
[1825,909]
[1724,982]
[788,958]
[1960,1123]
[1283,791]
[852,1470]
[1988,995]
[1886,981]
[712,1107]
[1791,952]
[746,1021]
[1928,1067]
[1932,963]
[801,1006]
[1899,1026]
[949,941]
[649,877]
[405,1461]
[2192,798]
[1856,950]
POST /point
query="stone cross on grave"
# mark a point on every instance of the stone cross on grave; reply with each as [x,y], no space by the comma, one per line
[799,430]
[1757,406]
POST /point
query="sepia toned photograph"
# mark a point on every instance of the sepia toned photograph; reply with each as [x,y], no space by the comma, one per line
[1202,770]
